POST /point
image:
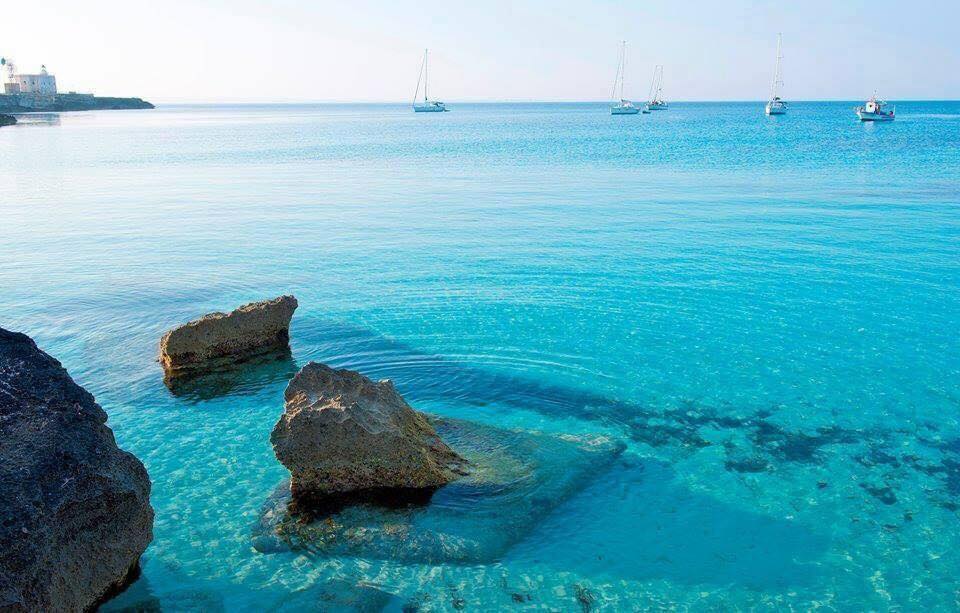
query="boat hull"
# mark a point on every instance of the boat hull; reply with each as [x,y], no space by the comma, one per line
[624,110]
[776,109]
[429,107]
[657,107]
[866,116]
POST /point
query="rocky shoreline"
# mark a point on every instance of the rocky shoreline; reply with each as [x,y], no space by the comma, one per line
[74,102]
[7,120]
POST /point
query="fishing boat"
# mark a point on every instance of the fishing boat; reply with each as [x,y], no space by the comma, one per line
[623,106]
[657,102]
[874,110]
[426,105]
[776,105]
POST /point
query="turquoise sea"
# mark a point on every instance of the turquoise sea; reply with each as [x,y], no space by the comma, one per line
[764,311]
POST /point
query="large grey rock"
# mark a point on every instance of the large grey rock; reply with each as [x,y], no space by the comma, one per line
[75,508]
[341,432]
[516,479]
[217,340]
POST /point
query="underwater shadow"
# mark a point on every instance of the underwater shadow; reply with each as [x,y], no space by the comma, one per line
[636,522]
[425,377]
[245,379]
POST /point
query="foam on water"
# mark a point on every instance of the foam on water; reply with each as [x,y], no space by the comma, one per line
[763,310]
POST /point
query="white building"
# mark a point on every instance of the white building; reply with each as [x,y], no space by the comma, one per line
[43,83]
[40,85]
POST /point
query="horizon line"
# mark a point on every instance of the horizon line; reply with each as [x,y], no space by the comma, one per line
[530,101]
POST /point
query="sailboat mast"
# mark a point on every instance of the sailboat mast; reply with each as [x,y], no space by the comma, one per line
[419,78]
[623,70]
[616,78]
[777,78]
[426,73]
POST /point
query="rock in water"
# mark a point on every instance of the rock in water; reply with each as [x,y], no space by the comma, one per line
[340,432]
[221,339]
[516,480]
[75,508]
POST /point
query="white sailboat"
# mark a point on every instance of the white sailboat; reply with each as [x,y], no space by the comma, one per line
[623,107]
[657,103]
[427,105]
[776,106]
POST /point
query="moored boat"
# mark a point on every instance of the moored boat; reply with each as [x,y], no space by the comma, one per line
[621,106]
[426,105]
[776,105]
[656,103]
[874,110]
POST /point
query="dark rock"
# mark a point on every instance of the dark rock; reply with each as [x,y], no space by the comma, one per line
[585,598]
[76,508]
[883,493]
[219,340]
[753,464]
[7,120]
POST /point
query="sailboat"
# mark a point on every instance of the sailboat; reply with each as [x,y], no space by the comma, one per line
[623,107]
[427,105]
[657,102]
[777,106]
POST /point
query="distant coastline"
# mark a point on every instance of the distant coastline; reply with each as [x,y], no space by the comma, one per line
[70,102]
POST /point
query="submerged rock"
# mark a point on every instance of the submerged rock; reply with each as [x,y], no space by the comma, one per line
[515,480]
[341,432]
[222,339]
[76,512]
[334,596]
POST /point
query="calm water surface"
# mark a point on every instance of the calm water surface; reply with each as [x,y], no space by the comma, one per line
[764,310]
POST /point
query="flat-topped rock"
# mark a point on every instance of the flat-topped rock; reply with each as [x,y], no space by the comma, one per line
[219,340]
[75,508]
[341,432]
[516,479]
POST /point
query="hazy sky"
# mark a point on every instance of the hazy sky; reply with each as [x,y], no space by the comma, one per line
[370,50]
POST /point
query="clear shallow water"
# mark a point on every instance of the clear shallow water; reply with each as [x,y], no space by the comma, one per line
[764,310]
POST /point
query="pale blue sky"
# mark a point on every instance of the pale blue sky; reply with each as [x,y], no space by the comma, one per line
[370,50]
